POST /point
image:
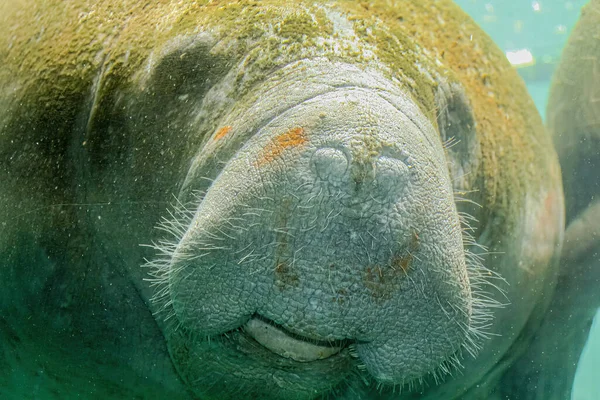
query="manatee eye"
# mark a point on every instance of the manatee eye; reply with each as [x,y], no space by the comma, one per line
[329,165]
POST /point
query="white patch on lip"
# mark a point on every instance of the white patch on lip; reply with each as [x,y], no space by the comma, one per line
[284,345]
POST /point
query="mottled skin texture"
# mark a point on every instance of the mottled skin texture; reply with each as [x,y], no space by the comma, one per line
[110,111]
[574,122]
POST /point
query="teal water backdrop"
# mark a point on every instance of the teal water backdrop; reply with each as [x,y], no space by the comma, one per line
[533,34]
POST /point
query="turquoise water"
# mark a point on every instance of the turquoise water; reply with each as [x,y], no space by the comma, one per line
[541,27]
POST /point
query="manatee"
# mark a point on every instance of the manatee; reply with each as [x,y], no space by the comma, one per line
[573,114]
[274,200]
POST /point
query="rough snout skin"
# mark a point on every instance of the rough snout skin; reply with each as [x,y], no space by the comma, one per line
[336,221]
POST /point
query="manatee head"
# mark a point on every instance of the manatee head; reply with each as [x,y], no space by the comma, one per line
[322,239]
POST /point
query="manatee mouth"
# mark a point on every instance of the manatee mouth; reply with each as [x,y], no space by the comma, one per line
[288,345]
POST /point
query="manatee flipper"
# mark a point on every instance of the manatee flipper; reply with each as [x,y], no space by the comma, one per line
[547,369]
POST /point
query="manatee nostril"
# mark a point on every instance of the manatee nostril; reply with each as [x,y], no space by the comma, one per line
[392,172]
[329,164]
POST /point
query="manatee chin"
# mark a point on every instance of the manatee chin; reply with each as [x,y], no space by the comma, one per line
[332,215]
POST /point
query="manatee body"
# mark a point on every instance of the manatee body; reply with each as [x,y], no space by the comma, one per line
[353,201]
[574,123]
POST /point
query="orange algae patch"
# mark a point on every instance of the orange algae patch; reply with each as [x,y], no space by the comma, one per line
[293,138]
[222,132]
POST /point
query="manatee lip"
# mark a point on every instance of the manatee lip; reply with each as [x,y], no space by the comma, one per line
[289,345]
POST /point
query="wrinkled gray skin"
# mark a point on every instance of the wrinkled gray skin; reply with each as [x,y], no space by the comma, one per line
[312,209]
[315,249]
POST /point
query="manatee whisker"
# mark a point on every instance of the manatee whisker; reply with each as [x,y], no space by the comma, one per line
[450,142]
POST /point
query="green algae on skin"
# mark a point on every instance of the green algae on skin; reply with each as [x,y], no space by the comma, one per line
[65,54]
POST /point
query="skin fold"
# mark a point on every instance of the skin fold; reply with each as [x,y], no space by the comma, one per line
[240,199]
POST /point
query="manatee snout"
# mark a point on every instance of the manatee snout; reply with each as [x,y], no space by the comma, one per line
[333,225]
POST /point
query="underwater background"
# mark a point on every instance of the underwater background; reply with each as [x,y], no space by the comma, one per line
[533,33]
